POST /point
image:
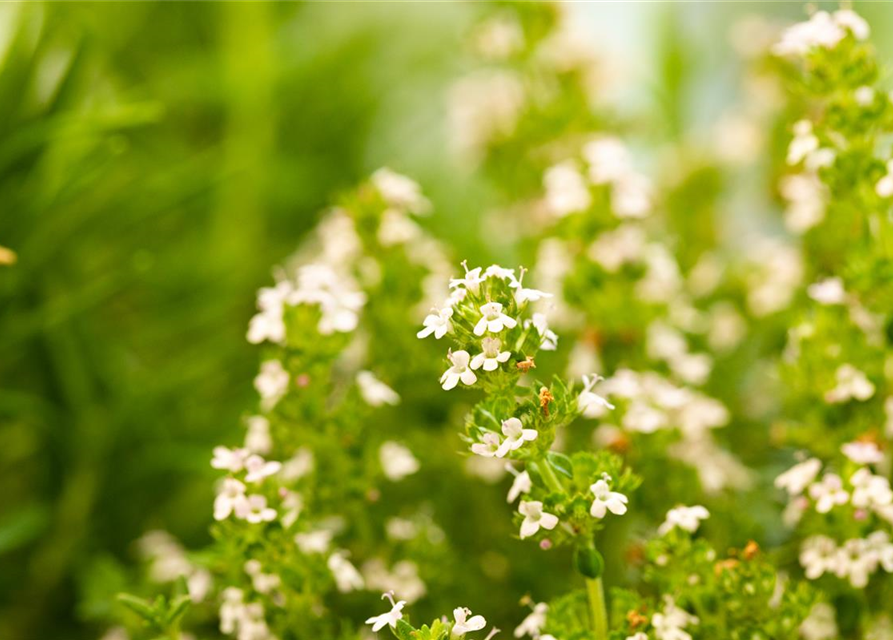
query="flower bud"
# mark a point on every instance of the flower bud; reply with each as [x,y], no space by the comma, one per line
[588,561]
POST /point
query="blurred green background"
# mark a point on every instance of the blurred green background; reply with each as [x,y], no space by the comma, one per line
[156,159]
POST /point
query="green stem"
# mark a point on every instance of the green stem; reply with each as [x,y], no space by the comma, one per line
[549,476]
[596,592]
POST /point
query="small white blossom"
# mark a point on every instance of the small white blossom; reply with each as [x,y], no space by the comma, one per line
[268,323]
[515,436]
[606,500]
[566,190]
[232,460]
[347,578]
[541,324]
[862,452]
[820,624]
[818,555]
[397,461]
[828,291]
[258,439]
[255,510]
[864,96]
[465,622]
[375,392]
[458,371]
[390,618]
[821,30]
[828,493]
[534,518]
[493,319]
[534,622]
[797,478]
[230,498]
[489,445]
[437,322]
[472,280]
[491,357]
[685,518]
[870,491]
[271,383]
[670,623]
[884,186]
[589,403]
[400,192]
[520,485]
[803,143]
[608,160]
[257,468]
[314,541]
[851,383]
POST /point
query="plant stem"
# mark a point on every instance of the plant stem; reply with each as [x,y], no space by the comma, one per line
[549,476]
[596,592]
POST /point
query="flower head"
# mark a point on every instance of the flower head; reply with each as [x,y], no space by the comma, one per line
[466,622]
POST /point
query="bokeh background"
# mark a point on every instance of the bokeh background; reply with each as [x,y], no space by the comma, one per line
[156,159]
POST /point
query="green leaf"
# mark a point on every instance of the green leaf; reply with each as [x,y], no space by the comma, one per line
[561,463]
[404,630]
[139,606]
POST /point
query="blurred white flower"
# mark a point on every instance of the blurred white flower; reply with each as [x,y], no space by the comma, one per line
[271,383]
[685,518]
[828,493]
[347,578]
[589,403]
[257,438]
[851,384]
[534,622]
[232,460]
[257,468]
[400,192]
[670,623]
[389,618]
[797,478]
[862,452]
[375,392]
[828,291]
[522,484]
[566,190]
[230,498]
[397,461]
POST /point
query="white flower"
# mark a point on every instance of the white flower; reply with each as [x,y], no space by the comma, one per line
[862,452]
[623,245]
[820,624]
[685,518]
[489,445]
[515,436]
[638,636]
[589,403]
[232,460]
[870,490]
[797,478]
[268,324]
[523,294]
[566,190]
[828,291]
[534,518]
[541,324]
[828,493]
[493,319]
[521,484]
[821,30]
[400,191]
[375,392]
[230,498]
[458,371]
[606,500]
[806,197]
[495,271]
[298,466]
[391,617]
[864,96]
[671,622]
[851,383]
[472,280]
[818,554]
[437,322]
[491,357]
[271,383]
[257,439]
[347,578]
[314,541]
[397,228]
[631,196]
[254,509]
[853,22]
[397,461]
[464,623]
[608,160]
[884,186]
[803,143]
[257,468]
[534,622]
[292,504]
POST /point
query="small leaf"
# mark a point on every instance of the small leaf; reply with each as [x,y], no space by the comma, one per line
[561,463]
[404,630]
[139,606]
